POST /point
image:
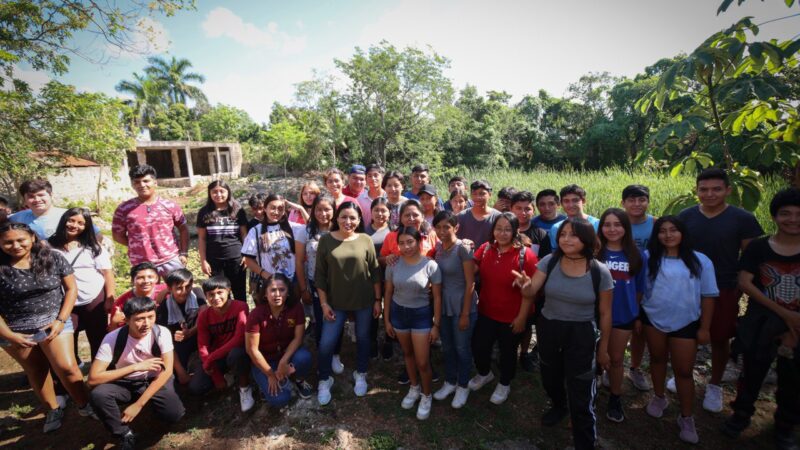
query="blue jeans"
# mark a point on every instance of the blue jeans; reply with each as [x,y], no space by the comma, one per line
[332,333]
[318,319]
[301,360]
[457,349]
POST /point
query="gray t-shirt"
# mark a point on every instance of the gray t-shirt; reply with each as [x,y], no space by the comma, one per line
[473,229]
[451,264]
[412,283]
[571,298]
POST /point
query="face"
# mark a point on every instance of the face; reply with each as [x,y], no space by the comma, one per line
[144,282]
[503,232]
[412,217]
[180,291]
[323,213]
[219,195]
[258,212]
[502,204]
[572,204]
[334,184]
[612,228]
[712,193]
[217,298]
[458,203]
[394,188]
[144,186]
[141,324]
[428,202]
[458,184]
[308,196]
[374,179]
[480,197]
[275,210]
[380,214]
[548,207]
[524,211]
[636,206]
[669,235]
[39,202]
[568,241]
[788,220]
[445,231]
[357,181]
[418,179]
[348,220]
[277,293]
[408,245]
[16,243]
[75,226]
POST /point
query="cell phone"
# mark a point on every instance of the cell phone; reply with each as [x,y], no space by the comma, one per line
[40,336]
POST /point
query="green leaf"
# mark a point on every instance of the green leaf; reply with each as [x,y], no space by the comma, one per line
[679,203]
[724,6]
[691,166]
[676,170]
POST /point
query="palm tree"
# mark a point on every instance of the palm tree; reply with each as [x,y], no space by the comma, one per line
[174,75]
[149,95]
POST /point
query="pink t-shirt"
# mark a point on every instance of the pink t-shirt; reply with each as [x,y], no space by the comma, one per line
[149,229]
[136,351]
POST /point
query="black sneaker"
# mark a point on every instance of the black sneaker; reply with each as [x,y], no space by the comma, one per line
[402,378]
[554,415]
[373,350]
[784,439]
[529,362]
[734,425]
[127,441]
[615,412]
[387,352]
[304,390]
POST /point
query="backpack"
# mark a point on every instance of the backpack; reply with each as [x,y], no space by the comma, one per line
[594,270]
[122,339]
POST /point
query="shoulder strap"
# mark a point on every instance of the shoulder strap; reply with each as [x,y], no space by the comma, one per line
[155,350]
[522,259]
[119,346]
[594,270]
[72,263]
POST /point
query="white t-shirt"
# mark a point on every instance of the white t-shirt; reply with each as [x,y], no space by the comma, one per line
[136,351]
[276,254]
[87,272]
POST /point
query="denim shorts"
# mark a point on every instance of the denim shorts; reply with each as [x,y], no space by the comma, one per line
[413,320]
[68,328]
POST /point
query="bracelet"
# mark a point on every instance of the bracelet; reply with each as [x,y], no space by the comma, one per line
[61,320]
[378,300]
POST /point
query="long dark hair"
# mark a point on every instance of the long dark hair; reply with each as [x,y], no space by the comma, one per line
[586,234]
[312,228]
[658,251]
[210,208]
[342,207]
[42,257]
[283,222]
[87,239]
[516,240]
[261,293]
[629,247]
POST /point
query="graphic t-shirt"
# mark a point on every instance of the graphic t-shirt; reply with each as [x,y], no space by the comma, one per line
[223,239]
[777,276]
[149,229]
[394,212]
[642,231]
[275,333]
[276,252]
[312,244]
[28,302]
[624,307]
[218,334]
[136,351]
[540,241]
[45,225]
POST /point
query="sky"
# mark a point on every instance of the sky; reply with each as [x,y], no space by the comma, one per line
[252,53]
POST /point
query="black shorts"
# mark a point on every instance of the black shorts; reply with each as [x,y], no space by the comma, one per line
[687,332]
[625,326]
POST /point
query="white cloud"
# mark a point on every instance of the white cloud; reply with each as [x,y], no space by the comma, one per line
[150,37]
[222,22]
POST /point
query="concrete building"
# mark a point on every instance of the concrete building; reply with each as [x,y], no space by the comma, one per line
[185,163]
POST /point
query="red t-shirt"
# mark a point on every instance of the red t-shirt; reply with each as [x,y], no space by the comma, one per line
[276,333]
[218,334]
[427,245]
[120,301]
[498,299]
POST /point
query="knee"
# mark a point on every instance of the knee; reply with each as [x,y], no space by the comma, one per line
[98,395]
[280,400]
[173,414]
[302,360]
[617,361]
[682,372]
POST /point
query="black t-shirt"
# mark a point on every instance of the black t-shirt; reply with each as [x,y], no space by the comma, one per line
[252,223]
[223,240]
[540,240]
[162,313]
[777,276]
[27,302]
[720,238]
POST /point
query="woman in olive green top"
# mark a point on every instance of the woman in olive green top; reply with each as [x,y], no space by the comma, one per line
[347,278]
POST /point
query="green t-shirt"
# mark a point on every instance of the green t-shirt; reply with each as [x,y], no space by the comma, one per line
[347,271]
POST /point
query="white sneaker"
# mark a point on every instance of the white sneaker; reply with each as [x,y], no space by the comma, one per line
[246,398]
[424,408]
[713,399]
[62,401]
[460,399]
[639,380]
[336,365]
[411,398]
[324,391]
[360,387]
[671,385]
[444,391]
[500,394]
[87,411]
[605,380]
[478,381]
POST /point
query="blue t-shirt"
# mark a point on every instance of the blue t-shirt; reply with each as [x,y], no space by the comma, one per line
[554,229]
[673,300]
[545,225]
[642,232]
[625,307]
[45,225]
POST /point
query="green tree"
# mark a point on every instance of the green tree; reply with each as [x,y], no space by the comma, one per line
[224,123]
[175,123]
[149,99]
[284,142]
[174,76]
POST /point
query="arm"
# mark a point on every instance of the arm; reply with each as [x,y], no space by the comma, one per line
[22,340]
[202,235]
[321,280]
[297,341]
[235,341]
[99,373]
[203,339]
[253,266]
[183,230]
[530,285]
[120,237]
[706,313]
[165,376]
[299,209]
[437,311]
[110,287]
[242,232]
[299,270]
[70,295]
[387,299]
[466,306]
[606,297]
[791,318]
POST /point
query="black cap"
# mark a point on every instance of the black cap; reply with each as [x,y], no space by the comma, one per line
[428,189]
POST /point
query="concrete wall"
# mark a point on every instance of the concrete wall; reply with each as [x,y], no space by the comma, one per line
[80,183]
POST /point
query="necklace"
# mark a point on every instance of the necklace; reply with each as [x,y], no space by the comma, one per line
[574,259]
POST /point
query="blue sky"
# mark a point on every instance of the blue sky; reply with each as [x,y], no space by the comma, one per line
[253,52]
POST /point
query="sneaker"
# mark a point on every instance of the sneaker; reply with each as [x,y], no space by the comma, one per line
[713,399]
[478,381]
[639,380]
[127,441]
[656,406]
[424,408]
[402,377]
[784,439]
[444,391]
[246,398]
[336,365]
[387,351]
[304,389]
[500,394]
[671,385]
[460,399]
[360,387]
[434,376]
[411,398]
[529,362]
[324,391]
[554,415]
[615,413]
[87,411]
[688,432]
[62,401]
[52,420]
[734,425]
[605,380]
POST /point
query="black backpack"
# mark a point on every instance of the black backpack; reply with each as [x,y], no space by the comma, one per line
[122,339]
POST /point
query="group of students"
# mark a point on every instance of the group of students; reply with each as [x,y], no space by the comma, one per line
[473,276]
